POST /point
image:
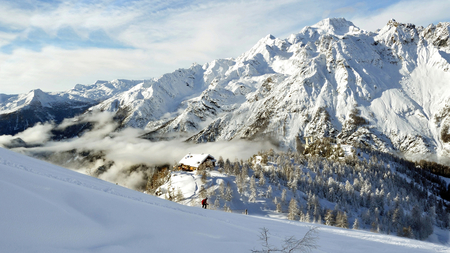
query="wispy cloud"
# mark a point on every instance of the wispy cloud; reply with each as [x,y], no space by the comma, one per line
[421,13]
[54,45]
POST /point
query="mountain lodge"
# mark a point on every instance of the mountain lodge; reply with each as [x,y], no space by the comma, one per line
[193,161]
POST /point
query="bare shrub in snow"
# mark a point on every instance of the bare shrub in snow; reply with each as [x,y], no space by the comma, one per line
[290,244]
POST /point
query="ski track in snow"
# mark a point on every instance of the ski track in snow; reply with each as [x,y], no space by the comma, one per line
[194,192]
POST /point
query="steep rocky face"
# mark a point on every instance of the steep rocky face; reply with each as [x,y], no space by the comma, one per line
[388,90]
[312,83]
[385,89]
[395,79]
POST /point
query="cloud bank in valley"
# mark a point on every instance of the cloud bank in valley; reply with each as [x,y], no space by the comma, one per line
[121,149]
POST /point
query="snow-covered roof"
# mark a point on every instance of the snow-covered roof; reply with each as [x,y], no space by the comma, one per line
[194,160]
[258,159]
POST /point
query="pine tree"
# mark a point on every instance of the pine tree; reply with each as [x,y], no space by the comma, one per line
[262,179]
[396,218]
[356,224]
[228,193]
[432,214]
[416,221]
[252,182]
[279,209]
[329,218]
[341,220]
[236,168]
[319,220]
[220,162]
[273,175]
[293,209]
[269,192]
[244,172]
[366,217]
[216,203]
[405,232]
[170,191]
[307,217]
[283,196]
[301,215]
[222,190]
[226,208]
[374,226]
[309,203]
[252,197]
[331,194]
[316,213]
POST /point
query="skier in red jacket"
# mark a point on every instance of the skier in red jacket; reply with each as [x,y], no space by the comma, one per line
[204,203]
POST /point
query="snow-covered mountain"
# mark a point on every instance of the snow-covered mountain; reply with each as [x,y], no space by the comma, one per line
[46,208]
[18,112]
[385,89]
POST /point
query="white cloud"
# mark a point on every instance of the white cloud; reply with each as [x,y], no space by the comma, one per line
[37,134]
[162,36]
[6,38]
[420,13]
[14,18]
[84,17]
[58,69]
[160,39]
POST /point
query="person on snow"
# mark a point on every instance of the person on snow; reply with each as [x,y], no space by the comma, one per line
[204,203]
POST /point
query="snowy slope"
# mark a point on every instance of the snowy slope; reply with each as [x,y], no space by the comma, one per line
[50,209]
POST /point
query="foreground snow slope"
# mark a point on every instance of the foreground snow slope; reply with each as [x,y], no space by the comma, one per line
[46,208]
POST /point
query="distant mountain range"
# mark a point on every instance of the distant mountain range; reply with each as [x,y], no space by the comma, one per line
[387,89]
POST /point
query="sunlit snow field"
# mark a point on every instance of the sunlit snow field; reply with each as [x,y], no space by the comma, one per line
[45,208]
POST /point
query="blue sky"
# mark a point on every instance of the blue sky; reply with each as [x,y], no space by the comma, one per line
[55,44]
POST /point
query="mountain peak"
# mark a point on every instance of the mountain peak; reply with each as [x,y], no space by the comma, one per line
[396,33]
[38,97]
[269,36]
[394,24]
[98,82]
[36,94]
[337,26]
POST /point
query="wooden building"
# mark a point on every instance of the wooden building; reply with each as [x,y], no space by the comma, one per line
[193,161]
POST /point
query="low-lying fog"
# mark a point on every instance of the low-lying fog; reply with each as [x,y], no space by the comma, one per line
[118,156]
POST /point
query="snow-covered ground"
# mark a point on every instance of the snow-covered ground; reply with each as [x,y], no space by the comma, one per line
[190,185]
[45,208]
